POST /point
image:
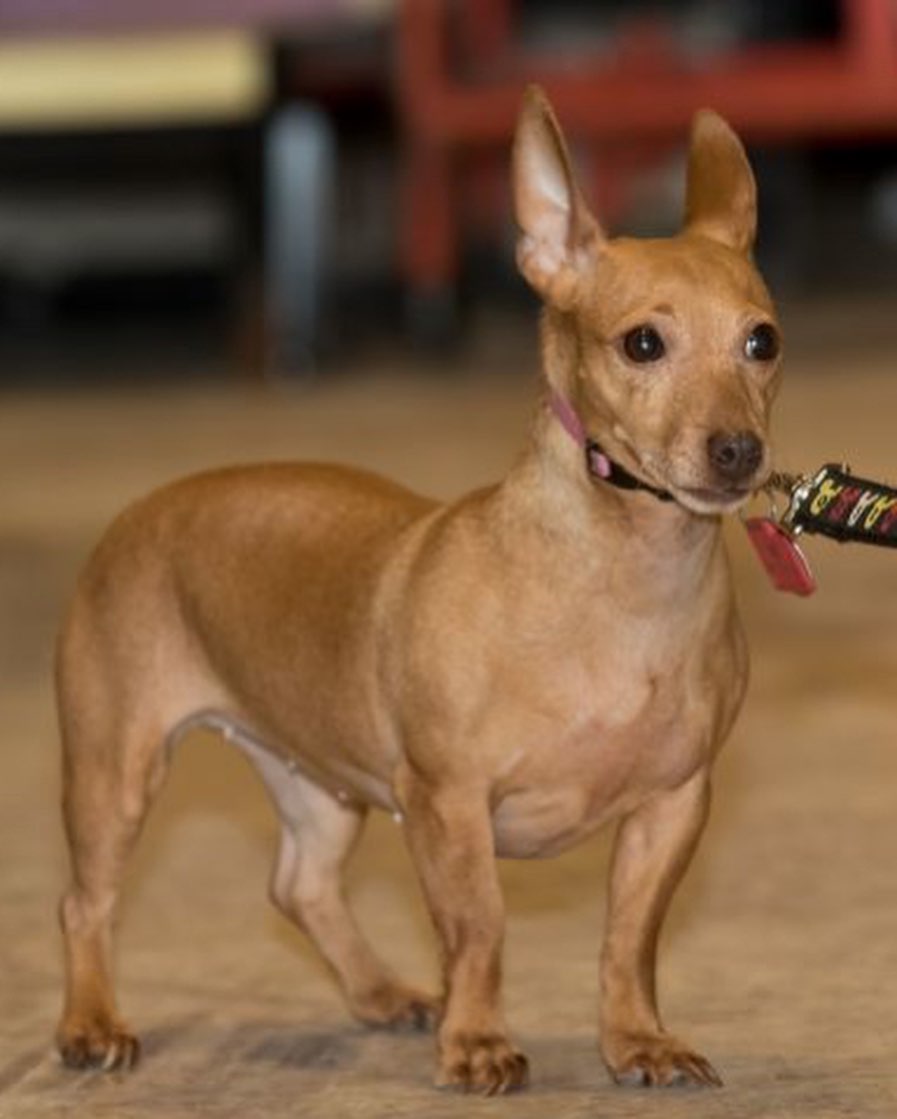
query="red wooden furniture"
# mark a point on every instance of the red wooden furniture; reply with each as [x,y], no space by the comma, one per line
[461,73]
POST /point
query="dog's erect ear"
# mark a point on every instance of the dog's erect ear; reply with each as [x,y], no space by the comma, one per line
[721,196]
[558,236]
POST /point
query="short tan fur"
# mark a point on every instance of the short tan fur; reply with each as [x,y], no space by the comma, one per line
[506,673]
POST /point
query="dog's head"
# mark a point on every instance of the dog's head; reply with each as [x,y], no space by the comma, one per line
[676,343]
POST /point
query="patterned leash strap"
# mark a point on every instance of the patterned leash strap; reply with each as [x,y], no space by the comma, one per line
[835,503]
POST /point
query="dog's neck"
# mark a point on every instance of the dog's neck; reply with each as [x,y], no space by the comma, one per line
[551,491]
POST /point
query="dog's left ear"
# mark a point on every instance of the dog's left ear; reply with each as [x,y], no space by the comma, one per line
[721,195]
[559,238]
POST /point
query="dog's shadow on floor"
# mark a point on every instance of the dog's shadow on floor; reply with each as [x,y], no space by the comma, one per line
[255,1042]
[565,1063]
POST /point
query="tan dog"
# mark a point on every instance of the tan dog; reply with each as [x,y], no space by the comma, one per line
[505,673]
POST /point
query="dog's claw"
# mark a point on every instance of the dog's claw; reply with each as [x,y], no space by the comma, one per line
[659,1062]
[702,1071]
[110,1049]
[399,1008]
[424,1014]
[487,1064]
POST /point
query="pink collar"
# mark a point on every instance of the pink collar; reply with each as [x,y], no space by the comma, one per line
[598,462]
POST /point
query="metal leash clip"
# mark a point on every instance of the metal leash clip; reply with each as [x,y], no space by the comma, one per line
[774,536]
[796,488]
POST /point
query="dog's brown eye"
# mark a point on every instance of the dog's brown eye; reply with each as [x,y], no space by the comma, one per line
[642,344]
[762,344]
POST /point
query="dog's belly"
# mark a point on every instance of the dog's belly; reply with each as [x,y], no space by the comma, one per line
[277,766]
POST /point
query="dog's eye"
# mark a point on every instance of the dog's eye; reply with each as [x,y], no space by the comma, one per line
[762,344]
[642,344]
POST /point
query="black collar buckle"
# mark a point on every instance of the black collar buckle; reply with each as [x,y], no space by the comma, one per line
[602,467]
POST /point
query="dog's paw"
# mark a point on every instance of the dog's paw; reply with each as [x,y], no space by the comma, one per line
[657,1061]
[394,1006]
[485,1063]
[107,1046]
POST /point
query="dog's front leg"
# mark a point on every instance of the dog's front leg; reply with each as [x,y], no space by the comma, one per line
[450,836]
[653,848]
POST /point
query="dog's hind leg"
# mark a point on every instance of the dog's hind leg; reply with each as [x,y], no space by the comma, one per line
[318,833]
[105,799]
[124,678]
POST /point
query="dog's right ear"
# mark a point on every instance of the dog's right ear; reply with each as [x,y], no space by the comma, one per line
[559,238]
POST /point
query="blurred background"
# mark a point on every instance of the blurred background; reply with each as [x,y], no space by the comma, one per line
[235,230]
[266,188]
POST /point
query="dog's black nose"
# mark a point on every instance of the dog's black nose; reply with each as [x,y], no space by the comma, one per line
[735,457]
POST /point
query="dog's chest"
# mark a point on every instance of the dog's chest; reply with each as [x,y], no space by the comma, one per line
[595,740]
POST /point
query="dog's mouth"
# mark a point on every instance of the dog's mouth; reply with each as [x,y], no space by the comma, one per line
[707,500]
